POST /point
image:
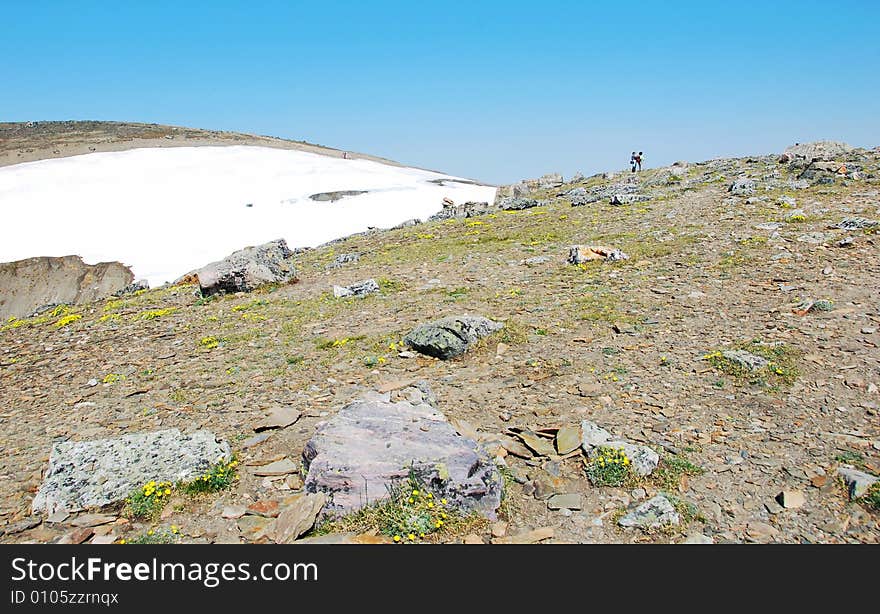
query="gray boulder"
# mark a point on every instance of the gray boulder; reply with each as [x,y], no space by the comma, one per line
[28,284]
[744,359]
[643,459]
[857,482]
[450,337]
[652,514]
[360,289]
[91,474]
[518,204]
[742,187]
[819,150]
[248,269]
[343,259]
[374,443]
[464,210]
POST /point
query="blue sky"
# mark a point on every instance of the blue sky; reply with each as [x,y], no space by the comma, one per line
[497,91]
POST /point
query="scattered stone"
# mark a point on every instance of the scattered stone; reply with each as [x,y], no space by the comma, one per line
[359,289]
[357,455]
[248,269]
[580,254]
[627,199]
[103,540]
[22,525]
[265,508]
[77,537]
[653,514]
[761,531]
[698,538]
[742,187]
[857,482]
[791,499]
[346,538]
[343,259]
[450,337]
[277,468]
[499,529]
[92,474]
[819,150]
[856,223]
[519,204]
[540,445]
[278,418]
[233,512]
[58,516]
[814,238]
[643,459]
[529,537]
[294,482]
[250,442]
[255,528]
[566,502]
[297,517]
[568,439]
[473,539]
[773,507]
[92,520]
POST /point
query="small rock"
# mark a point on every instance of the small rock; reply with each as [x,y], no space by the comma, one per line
[698,538]
[359,289]
[529,537]
[255,528]
[791,499]
[297,517]
[499,529]
[58,516]
[78,536]
[293,482]
[92,520]
[250,442]
[279,467]
[233,512]
[567,502]
[473,539]
[278,418]
[568,439]
[267,509]
[652,514]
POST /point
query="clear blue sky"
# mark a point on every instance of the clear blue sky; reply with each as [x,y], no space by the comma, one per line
[492,90]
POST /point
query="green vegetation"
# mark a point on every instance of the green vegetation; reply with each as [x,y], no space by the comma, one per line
[219,477]
[148,501]
[670,471]
[781,367]
[609,467]
[410,514]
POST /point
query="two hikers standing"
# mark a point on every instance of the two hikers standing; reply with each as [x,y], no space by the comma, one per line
[635,160]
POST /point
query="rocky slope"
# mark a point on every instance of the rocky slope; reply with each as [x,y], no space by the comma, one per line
[737,341]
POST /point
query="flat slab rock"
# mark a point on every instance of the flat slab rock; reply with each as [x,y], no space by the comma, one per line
[92,474]
[372,443]
[450,337]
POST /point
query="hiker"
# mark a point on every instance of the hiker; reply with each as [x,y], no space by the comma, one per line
[632,162]
[639,160]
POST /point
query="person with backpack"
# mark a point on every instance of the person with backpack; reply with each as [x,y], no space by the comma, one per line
[632,162]
[639,160]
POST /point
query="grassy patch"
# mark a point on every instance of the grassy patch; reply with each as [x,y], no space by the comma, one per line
[670,471]
[609,467]
[219,477]
[781,367]
[872,497]
[148,501]
[410,514]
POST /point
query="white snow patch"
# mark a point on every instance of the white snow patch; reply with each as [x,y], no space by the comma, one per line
[167,211]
